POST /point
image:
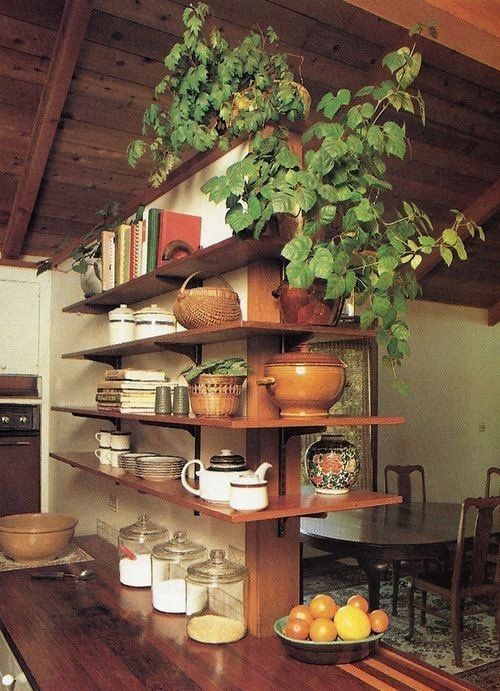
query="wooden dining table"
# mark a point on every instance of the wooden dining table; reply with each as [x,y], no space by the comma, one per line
[376,536]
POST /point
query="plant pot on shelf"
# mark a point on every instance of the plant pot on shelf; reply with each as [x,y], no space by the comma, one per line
[307,305]
[215,395]
[90,281]
[332,464]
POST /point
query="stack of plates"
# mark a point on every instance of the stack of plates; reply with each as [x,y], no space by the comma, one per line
[128,460]
[159,467]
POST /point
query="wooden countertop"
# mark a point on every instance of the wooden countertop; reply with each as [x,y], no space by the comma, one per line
[78,636]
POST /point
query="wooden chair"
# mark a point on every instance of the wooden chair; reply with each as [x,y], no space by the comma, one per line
[404,488]
[469,578]
[489,473]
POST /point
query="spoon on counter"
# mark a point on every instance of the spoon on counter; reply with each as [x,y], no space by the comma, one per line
[85,575]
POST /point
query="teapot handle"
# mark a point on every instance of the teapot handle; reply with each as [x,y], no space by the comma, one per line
[184,480]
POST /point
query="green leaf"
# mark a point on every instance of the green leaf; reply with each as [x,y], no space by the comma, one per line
[401,387]
[335,287]
[327,214]
[336,148]
[322,263]
[447,255]
[393,61]
[366,319]
[216,188]
[287,158]
[354,117]
[299,275]
[415,261]
[297,249]
[380,305]
[238,219]
[305,198]
[375,138]
[450,236]
[254,207]
[330,104]
[400,330]
[364,211]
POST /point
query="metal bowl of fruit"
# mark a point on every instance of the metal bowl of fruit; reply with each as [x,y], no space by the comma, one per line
[322,633]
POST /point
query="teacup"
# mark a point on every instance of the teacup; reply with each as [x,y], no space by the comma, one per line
[103,454]
[114,457]
[120,441]
[104,438]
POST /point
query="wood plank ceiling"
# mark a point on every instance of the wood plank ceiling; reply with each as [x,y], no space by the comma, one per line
[75,77]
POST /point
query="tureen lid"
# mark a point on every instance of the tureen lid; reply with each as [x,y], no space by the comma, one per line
[227,460]
[302,355]
[123,310]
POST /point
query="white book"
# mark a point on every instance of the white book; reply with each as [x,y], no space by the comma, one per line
[135,374]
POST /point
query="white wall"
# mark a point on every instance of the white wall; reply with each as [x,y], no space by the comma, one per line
[454,375]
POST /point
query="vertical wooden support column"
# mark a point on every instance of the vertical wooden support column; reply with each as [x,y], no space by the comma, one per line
[273,561]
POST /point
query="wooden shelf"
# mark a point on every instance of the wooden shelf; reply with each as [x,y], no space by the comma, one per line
[308,503]
[188,422]
[220,258]
[186,341]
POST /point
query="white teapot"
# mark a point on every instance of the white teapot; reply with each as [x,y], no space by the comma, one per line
[215,481]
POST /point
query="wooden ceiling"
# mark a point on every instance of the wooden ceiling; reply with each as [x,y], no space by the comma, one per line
[75,77]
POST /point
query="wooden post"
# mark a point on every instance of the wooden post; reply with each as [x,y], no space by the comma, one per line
[273,560]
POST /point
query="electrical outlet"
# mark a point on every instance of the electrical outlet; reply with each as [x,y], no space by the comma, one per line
[112,502]
[235,554]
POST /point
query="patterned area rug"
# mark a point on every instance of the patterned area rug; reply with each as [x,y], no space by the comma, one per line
[431,642]
[72,555]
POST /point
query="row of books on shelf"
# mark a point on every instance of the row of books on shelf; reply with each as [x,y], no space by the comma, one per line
[136,248]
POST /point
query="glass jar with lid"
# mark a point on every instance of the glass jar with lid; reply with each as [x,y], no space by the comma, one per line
[169,563]
[135,543]
[216,600]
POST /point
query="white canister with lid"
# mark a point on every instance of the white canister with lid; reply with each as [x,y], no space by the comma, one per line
[121,325]
[153,321]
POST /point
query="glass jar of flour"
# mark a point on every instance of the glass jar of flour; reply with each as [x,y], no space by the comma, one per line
[216,600]
[169,563]
[135,543]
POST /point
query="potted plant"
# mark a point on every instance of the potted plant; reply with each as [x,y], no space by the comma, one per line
[217,93]
[215,386]
[86,257]
[345,239]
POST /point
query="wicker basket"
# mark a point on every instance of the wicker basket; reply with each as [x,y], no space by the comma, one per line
[215,395]
[206,306]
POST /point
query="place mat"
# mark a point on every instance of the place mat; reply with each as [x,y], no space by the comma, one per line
[72,555]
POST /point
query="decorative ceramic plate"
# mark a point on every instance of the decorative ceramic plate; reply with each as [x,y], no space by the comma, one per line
[333,653]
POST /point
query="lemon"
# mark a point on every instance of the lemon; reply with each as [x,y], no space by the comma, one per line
[352,623]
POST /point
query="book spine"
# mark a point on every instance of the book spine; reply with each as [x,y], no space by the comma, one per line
[122,253]
[153,231]
[144,247]
[135,249]
[108,259]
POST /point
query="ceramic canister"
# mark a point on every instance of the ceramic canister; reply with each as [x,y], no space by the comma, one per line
[332,464]
[121,325]
[153,321]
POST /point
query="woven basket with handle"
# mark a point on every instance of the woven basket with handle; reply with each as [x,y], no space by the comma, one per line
[206,306]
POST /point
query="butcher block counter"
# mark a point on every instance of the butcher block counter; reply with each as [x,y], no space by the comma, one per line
[78,635]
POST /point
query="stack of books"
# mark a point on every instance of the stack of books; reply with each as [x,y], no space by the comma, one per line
[136,248]
[129,391]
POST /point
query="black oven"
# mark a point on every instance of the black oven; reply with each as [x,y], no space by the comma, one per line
[19,458]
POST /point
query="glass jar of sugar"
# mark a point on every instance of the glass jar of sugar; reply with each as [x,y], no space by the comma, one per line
[169,563]
[216,600]
[135,543]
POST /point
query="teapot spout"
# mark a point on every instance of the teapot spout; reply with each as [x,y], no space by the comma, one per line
[262,470]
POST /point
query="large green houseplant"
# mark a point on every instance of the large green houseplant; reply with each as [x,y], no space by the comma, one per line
[345,237]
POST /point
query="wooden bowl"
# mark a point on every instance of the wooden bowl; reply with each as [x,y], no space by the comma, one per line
[28,537]
[334,653]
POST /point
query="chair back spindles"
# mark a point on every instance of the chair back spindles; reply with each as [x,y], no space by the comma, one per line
[489,474]
[404,480]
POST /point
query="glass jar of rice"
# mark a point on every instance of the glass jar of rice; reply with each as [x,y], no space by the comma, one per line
[216,600]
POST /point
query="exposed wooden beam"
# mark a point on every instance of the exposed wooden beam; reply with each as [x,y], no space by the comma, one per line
[67,46]
[471,27]
[494,314]
[480,210]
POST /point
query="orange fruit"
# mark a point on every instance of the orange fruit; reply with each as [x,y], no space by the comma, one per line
[352,623]
[322,629]
[301,612]
[358,601]
[296,628]
[322,606]
[379,620]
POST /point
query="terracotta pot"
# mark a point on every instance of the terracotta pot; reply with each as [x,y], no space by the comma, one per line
[307,305]
[304,383]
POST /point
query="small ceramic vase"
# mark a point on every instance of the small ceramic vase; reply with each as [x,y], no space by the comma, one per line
[332,464]
[90,282]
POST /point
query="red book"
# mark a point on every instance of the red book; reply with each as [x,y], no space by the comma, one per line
[177,226]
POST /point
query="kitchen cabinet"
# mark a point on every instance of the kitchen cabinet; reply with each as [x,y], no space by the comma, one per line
[20,333]
[272,538]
